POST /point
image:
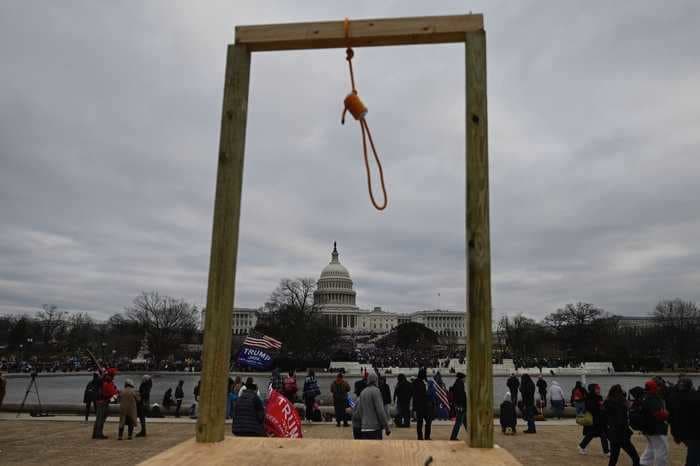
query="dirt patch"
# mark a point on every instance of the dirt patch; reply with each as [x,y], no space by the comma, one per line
[31,442]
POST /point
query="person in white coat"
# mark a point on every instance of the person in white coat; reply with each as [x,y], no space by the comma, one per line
[556,399]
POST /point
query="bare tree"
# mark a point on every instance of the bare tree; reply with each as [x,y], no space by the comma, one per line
[580,329]
[81,330]
[167,321]
[523,337]
[678,328]
[52,321]
[291,318]
[297,294]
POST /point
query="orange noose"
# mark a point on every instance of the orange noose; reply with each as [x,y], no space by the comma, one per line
[357,109]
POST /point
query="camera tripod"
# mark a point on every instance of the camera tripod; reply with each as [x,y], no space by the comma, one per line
[36,412]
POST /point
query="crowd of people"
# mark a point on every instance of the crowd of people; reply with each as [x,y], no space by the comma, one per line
[417,400]
[655,410]
[134,405]
[652,410]
[381,357]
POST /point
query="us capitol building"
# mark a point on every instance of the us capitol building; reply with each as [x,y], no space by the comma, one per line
[335,299]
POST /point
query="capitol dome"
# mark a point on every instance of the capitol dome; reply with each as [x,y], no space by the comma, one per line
[334,286]
[334,268]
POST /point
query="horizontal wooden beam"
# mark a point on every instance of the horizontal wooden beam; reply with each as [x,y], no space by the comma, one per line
[363,33]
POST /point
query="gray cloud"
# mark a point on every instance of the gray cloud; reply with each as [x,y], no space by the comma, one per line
[109,121]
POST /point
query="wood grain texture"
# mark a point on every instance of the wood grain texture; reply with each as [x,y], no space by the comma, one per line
[480,368]
[338,452]
[224,248]
[363,32]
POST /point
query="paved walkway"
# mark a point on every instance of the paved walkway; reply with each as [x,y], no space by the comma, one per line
[66,440]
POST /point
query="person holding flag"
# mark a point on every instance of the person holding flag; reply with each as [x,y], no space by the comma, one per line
[442,397]
[108,392]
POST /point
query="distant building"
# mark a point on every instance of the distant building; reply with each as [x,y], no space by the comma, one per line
[636,324]
[244,320]
[335,299]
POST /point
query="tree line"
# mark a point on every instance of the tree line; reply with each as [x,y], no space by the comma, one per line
[165,322]
[669,338]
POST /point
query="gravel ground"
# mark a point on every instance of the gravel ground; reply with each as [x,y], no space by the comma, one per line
[49,442]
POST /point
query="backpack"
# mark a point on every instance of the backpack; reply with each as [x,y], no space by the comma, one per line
[639,417]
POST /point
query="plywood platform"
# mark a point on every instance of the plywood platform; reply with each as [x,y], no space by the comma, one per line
[338,452]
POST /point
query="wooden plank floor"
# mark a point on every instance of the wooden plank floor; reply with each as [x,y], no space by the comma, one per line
[338,452]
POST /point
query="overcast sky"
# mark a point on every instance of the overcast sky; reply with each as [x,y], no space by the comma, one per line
[109,129]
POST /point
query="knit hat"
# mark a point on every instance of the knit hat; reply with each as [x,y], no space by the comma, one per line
[651,386]
[129,383]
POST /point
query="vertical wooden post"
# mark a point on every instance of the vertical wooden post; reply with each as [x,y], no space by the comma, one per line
[216,353]
[480,369]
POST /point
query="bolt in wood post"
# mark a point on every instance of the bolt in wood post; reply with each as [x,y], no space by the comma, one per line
[480,370]
[216,353]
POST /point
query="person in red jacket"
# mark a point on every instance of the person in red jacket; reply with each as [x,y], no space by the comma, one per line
[656,428]
[107,392]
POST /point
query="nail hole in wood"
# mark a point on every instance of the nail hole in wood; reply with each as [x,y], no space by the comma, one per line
[475,119]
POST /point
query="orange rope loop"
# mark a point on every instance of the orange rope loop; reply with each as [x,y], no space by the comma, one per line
[357,109]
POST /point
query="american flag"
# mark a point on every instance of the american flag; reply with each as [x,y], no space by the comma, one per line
[441,392]
[262,341]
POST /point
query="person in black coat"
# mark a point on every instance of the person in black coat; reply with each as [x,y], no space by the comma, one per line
[507,415]
[542,389]
[527,390]
[403,392]
[248,413]
[513,385]
[618,427]
[460,404]
[91,393]
[594,405]
[142,407]
[423,405]
[684,418]
[179,396]
[386,396]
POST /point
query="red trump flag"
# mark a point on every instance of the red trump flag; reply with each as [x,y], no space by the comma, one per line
[281,417]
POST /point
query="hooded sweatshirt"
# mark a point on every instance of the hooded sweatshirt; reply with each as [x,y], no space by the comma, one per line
[507,415]
[555,392]
[369,410]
